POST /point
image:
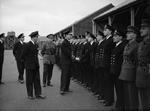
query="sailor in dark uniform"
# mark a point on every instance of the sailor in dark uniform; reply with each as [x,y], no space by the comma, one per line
[108,47]
[1,55]
[99,65]
[115,69]
[17,50]
[30,57]
[66,62]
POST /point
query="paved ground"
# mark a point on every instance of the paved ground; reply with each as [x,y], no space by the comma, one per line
[13,96]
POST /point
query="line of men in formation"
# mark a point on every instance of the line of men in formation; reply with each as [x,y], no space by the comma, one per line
[111,60]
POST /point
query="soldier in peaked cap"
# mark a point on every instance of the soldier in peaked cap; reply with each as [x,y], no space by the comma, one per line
[48,52]
[143,69]
[34,34]
[17,50]
[108,47]
[115,68]
[66,62]
[30,57]
[128,69]
[1,55]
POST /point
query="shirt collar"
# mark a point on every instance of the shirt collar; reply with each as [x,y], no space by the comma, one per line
[118,43]
[32,42]
[100,41]
[108,37]
[21,42]
[91,42]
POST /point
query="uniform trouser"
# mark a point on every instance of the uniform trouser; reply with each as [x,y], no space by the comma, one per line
[82,68]
[75,70]
[33,82]
[119,92]
[65,77]
[130,96]
[84,71]
[88,75]
[1,68]
[99,82]
[144,94]
[47,73]
[91,77]
[108,87]
[79,72]
[20,67]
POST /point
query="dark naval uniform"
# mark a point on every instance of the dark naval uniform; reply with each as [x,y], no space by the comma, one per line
[1,56]
[99,69]
[115,69]
[108,90]
[66,61]
[30,57]
[17,50]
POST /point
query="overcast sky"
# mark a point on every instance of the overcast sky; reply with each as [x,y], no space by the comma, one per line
[46,16]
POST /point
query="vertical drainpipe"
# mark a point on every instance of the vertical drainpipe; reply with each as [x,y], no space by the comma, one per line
[93,27]
[132,17]
[109,20]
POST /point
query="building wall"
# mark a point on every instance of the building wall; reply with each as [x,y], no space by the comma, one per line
[86,24]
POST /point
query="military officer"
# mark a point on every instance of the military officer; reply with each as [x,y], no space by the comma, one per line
[116,63]
[17,50]
[108,47]
[66,62]
[1,55]
[30,57]
[99,65]
[143,69]
[48,52]
[128,70]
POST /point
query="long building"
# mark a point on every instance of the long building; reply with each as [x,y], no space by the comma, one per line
[85,24]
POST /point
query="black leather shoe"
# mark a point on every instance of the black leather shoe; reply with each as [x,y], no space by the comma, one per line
[44,85]
[1,82]
[31,97]
[62,92]
[48,84]
[41,97]
[21,81]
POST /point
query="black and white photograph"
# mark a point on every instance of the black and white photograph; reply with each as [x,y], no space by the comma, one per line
[74,55]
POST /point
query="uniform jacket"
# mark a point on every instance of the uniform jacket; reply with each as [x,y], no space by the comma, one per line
[30,56]
[65,57]
[128,70]
[78,50]
[99,55]
[1,51]
[84,57]
[142,74]
[117,59]
[92,53]
[17,50]
[48,52]
[73,51]
[108,47]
